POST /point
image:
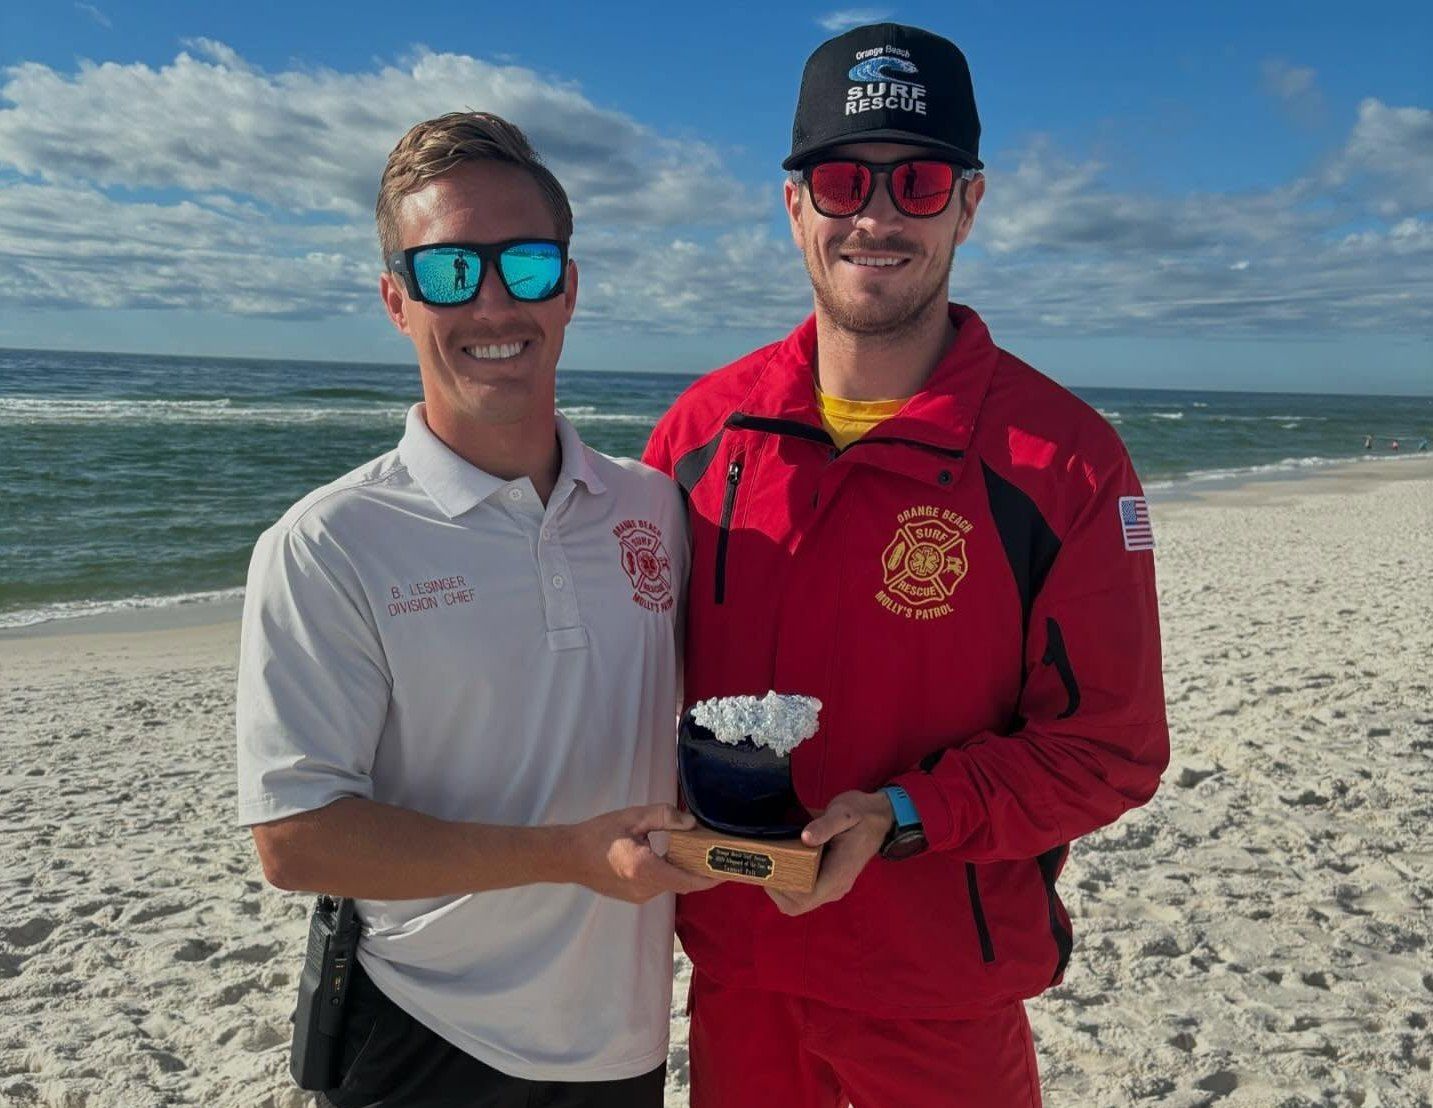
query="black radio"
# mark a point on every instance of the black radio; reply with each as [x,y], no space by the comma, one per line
[323,988]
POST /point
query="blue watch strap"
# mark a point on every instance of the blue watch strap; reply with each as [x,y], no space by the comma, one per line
[903,806]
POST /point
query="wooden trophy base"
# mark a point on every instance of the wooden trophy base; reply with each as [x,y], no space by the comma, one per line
[786,864]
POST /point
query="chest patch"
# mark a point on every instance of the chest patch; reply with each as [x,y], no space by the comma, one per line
[923,563]
[644,560]
[410,598]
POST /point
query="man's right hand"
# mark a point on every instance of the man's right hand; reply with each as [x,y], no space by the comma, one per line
[615,857]
[411,856]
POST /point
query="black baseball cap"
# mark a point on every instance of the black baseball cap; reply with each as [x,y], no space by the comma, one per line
[740,789]
[886,83]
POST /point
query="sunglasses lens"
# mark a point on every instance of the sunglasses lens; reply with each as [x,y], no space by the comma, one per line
[839,188]
[922,188]
[447,274]
[532,270]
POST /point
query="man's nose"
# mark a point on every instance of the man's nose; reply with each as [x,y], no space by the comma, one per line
[880,210]
[492,298]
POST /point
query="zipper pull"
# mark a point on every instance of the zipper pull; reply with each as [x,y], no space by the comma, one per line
[733,473]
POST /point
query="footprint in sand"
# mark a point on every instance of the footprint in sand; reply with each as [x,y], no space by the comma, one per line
[195,950]
[262,1036]
[232,994]
[254,954]
[167,1063]
[1221,1083]
[153,910]
[29,933]
[1189,776]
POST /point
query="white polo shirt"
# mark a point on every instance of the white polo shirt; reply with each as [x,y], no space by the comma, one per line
[424,634]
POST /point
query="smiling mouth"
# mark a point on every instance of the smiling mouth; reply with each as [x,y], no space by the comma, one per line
[496,351]
[869,261]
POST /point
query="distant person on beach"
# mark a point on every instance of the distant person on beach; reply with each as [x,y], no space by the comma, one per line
[456,694]
[952,552]
[1368,442]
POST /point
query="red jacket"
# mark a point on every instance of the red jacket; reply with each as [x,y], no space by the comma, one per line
[955,587]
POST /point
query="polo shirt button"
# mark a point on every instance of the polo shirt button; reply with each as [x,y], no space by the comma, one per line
[514,494]
[558,580]
[547,534]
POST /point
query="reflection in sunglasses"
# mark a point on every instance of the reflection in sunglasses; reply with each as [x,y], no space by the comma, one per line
[530,270]
[918,187]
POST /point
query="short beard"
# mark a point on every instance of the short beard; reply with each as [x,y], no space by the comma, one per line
[890,320]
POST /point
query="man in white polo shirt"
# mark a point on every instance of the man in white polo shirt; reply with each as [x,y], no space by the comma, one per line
[458,679]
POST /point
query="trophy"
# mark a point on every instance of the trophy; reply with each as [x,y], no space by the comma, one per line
[734,766]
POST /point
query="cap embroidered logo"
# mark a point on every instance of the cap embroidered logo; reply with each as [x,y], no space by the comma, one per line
[884,90]
[874,69]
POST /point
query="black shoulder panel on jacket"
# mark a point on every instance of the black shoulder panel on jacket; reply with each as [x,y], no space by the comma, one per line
[688,469]
[1029,543]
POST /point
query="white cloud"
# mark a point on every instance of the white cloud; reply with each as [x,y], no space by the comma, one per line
[846,18]
[317,141]
[1062,245]
[1296,90]
[1387,163]
[1290,83]
[73,245]
[260,203]
[95,14]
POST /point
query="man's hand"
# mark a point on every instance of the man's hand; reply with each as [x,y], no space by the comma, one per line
[853,828]
[615,858]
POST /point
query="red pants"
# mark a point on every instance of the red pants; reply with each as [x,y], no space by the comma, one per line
[755,1049]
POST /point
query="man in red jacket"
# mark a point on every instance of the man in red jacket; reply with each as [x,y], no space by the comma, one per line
[953,553]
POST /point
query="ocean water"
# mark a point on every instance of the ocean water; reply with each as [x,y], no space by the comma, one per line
[138,480]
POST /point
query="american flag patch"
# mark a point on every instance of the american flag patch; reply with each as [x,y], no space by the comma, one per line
[1134,523]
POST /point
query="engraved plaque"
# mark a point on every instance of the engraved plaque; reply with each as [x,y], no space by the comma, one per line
[740,863]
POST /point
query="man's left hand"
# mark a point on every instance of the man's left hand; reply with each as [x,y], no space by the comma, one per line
[853,828]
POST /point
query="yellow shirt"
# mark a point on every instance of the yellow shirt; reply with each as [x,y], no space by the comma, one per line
[847,420]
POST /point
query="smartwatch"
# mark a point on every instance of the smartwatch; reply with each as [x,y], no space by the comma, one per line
[906,838]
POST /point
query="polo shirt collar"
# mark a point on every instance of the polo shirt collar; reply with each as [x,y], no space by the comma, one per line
[576,458]
[457,486]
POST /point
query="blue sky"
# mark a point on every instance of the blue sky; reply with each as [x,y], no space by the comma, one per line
[1220,195]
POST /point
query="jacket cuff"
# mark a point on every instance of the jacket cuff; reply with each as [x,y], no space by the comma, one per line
[932,806]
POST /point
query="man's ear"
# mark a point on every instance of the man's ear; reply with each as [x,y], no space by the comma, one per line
[973,191]
[569,290]
[793,195]
[394,302]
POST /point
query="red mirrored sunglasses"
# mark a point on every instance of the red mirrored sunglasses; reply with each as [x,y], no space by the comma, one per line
[919,187]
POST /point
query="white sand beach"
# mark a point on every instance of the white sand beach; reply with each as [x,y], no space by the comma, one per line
[1260,935]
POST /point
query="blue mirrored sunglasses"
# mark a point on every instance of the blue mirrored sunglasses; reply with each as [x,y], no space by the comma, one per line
[447,273]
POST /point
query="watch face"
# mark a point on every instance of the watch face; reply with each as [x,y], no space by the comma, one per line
[904,844]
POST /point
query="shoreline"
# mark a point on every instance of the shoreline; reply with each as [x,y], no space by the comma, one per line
[1378,466]
[142,615]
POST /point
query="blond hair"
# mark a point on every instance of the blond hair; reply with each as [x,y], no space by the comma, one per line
[435,146]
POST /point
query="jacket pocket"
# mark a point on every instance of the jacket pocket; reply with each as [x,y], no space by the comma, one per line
[728,508]
[1055,655]
[977,909]
[924,933]
[912,936]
